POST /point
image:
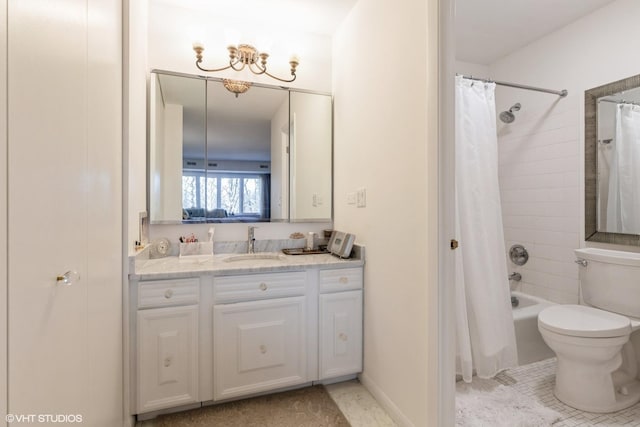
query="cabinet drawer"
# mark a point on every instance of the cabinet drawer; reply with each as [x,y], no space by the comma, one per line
[161,293]
[229,289]
[343,279]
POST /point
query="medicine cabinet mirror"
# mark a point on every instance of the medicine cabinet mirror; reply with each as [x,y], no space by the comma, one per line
[612,162]
[263,156]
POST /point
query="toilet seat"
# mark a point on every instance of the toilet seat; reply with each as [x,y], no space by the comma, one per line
[583,321]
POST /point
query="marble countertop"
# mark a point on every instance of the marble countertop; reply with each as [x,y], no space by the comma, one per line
[227,264]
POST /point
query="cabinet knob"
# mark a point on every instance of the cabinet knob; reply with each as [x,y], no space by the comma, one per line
[343,336]
[167,361]
[344,280]
[263,286]
[168,293]
[263,349]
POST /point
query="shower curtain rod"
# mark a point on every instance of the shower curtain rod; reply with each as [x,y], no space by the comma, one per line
[613,101]
[562,93]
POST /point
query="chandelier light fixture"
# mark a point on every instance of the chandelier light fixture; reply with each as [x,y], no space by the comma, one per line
[241,57]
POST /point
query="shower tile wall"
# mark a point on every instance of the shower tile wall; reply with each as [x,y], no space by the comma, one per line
[539,185]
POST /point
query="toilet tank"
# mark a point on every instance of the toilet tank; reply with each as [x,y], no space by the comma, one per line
[610,280]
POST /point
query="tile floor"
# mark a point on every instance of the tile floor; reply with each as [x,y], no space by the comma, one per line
[537,381]
[354,400]
[358,405]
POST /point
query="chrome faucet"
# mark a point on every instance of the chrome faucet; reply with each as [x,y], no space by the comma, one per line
[251,240]
[515,276]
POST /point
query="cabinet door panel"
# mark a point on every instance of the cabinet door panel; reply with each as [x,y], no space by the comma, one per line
[167,357]
[259,346]
[340,334]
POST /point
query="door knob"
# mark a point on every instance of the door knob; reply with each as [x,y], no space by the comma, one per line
[68,278]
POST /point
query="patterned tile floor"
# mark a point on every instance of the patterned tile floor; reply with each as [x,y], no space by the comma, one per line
[537,381]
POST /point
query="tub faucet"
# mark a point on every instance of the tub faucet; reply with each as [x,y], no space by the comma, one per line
[251,240]
[515,276]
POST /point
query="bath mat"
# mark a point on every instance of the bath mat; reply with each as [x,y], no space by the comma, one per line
[486,403]
[306,407]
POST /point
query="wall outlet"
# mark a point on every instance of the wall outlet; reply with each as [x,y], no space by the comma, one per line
[361,198]
[351,198]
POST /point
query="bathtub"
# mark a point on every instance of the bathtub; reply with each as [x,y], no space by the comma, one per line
[531,346]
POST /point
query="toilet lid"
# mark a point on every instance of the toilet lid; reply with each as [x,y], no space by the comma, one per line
[583,321]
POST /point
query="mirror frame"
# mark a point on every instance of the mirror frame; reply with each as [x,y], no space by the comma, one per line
[591,96]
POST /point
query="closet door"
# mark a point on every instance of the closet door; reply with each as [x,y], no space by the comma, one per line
[64,209]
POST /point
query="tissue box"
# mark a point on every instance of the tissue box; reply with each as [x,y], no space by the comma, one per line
[196,251]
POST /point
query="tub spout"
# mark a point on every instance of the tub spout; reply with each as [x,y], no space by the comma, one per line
[515,276]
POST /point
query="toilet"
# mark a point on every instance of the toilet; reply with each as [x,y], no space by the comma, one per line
[596,342]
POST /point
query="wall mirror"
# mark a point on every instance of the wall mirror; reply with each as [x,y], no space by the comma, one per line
[265,155]
[612,162]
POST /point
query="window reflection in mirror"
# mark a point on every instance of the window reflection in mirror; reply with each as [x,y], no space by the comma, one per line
[242,134]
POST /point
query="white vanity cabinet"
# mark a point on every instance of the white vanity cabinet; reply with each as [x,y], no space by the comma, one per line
[259,333]
[167,344]
[340,323]
[225,335]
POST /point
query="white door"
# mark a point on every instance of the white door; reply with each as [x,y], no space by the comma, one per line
[258,346]
[167,357]
[64,209]
[340,334]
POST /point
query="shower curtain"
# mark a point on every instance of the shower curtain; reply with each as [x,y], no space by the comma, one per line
[484,322]
[623,204]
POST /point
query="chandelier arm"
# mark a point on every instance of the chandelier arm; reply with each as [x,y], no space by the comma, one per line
[211,70]
[244,64]
[261,70]
[278,78]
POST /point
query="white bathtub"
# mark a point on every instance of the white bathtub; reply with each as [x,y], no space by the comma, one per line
[531,346]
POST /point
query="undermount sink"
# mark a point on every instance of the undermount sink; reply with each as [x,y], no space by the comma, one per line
[254,257]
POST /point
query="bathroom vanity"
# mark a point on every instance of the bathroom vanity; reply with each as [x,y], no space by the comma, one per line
[238,325]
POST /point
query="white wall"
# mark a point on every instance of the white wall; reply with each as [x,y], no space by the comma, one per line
[310,155]
[279,167]
[471,69]
[172,164]
[171,33]
[383,142]
[173,30]
[135,125]
[156,148]
[3,211]
[541,153]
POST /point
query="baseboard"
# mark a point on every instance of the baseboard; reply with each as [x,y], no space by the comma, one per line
[334,380]
[392,410]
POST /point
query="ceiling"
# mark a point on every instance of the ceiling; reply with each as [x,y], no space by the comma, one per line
[238,128]
[488,30]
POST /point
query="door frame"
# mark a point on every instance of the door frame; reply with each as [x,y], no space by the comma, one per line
[446,211]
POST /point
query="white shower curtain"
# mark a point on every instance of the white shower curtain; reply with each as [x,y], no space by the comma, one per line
[623,204]
[484,323]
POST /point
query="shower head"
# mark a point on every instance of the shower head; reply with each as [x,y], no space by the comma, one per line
[508,116]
